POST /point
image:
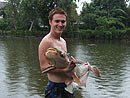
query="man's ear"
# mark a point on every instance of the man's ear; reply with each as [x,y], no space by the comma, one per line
[50,21]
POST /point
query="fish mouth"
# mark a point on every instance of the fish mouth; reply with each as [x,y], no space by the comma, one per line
[54,51]
[51,51]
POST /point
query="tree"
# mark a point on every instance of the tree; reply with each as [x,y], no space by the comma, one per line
[12,9]
[103,17]
[33,14]
[29,14]
[44,7]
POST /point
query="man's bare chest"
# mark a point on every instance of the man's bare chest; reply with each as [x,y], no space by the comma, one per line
[59,45]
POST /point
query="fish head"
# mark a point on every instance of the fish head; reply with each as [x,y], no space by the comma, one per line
[57,56]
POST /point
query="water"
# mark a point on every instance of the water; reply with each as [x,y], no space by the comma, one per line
[20,75]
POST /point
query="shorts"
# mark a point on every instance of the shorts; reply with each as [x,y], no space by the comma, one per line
[56,90]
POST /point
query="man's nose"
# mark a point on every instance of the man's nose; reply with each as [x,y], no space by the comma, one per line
[60,23]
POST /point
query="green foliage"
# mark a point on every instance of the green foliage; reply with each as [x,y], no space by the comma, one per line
[3,24]
[43,8]
[108,19]
[89,20]
[100,19]
[33,14]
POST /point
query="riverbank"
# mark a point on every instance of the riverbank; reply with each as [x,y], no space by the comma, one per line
[80,34]
[20,33]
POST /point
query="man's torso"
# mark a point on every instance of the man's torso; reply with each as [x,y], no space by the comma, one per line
[57,76]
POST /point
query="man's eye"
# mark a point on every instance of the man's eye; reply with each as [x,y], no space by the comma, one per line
[63,21]
[57,21]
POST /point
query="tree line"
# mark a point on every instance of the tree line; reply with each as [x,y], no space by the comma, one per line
[100,19]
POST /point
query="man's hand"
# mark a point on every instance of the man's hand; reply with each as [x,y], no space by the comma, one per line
[71,65]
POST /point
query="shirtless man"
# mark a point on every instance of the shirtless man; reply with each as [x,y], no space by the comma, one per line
[56,76]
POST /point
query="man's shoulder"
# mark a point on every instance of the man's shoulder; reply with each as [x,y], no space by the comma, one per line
[45,39]
[63,40]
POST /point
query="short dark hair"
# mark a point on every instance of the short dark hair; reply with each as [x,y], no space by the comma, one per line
[56,11]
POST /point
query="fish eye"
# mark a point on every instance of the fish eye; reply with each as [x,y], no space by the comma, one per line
[61,55]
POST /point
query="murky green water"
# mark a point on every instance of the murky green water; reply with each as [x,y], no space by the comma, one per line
[20,75]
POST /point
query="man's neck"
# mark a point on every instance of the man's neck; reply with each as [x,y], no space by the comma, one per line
[55,35]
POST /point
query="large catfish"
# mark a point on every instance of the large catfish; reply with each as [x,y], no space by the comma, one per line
[60,58]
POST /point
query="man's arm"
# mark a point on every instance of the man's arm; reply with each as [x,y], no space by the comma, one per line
[44,45]
[67,69]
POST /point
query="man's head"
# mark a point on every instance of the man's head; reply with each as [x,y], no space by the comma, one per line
[56,11]
[57,20]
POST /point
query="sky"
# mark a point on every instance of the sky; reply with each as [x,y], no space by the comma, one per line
[80,5]
[1,0]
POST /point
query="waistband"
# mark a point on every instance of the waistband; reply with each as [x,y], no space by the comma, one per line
[56,84]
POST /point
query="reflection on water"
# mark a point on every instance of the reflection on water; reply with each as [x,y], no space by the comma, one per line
[20,75]
[21,69]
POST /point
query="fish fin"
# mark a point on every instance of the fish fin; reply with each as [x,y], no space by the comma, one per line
[48,69]
[76,79]
[96,71]
[84,79]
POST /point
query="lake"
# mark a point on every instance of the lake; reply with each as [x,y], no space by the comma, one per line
[21,77]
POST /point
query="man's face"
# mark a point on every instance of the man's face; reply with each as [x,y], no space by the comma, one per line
[58,23]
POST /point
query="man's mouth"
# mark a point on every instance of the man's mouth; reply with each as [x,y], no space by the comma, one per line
[60,28]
